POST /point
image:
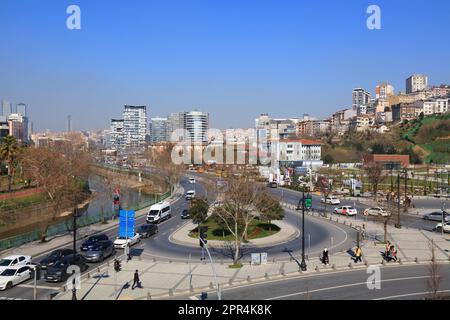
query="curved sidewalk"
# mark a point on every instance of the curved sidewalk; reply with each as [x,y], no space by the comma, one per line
[287,233]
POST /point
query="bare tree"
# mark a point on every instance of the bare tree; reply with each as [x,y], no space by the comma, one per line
[375,175]
[435,279]
[324,185]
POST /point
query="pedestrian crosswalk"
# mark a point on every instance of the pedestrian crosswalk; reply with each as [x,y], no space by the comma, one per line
[8,298]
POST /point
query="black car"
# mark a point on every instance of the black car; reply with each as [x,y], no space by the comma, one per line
[54,257]
[99,251]
[272,185]
[89,243]
[58,272]
[147,230]
[185,214]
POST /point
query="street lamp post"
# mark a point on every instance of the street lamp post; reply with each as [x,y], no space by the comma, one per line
[398,225]
[406,189]
[303,263]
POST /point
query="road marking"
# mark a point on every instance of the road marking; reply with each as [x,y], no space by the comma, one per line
[194,298]
[344,286]
[37,287]
[410,295]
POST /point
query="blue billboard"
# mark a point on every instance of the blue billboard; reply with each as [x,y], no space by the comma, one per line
[126,223]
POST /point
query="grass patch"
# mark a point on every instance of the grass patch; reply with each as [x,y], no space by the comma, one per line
[18,203]
[256,230]
[236,266]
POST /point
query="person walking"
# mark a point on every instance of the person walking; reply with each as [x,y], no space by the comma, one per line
[325,257]
[388,247]
[358,255]
[136,280]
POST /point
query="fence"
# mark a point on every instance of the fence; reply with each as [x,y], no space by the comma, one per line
[65,227]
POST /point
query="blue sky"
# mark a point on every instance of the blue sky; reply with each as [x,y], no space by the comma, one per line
[235,59]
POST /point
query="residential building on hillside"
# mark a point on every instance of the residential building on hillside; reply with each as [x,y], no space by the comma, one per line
[384,90]
[405,111]
[417,82]
[18,127]
[294,152]
[360,97]
[117,135]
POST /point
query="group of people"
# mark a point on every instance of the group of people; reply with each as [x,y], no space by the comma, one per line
[390,253]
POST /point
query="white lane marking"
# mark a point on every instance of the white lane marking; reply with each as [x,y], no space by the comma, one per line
[344,286]
[410,295]
[37,287]
[194,298]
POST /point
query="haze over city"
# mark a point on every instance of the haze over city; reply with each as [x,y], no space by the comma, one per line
[233,59]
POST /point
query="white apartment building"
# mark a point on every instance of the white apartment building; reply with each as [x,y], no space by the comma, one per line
[417,82]
[135,125]
[116,135]
[18,126]
[362,123]
[197,124]
[360,97]
[433,106]
[297,152]
[384,90]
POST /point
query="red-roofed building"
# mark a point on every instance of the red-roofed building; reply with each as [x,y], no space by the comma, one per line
[388,161]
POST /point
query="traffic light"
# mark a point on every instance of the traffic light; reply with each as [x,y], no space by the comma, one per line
[308,201]
[117,265]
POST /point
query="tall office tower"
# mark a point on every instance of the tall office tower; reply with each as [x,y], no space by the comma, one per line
[197,123]
[158,130]
[69,123]
[6,108]
[384,90]
[417,82]
[21,108]
[18,126]
[117,135]
[135,125]
[176,121]
[360,97]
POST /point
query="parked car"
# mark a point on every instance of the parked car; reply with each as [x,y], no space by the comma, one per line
[14,261]
[272,185]
[58,272]
[190,195]
[436,216]
[346,210]
[99,251]
[377,211]
[330,200]
[191,180]
[13,276]
[148,230]
[91,241]
[54,257]
[122,242]
[185,214]
[159,212]
[446,227]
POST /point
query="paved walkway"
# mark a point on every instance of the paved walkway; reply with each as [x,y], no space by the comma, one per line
[164,279]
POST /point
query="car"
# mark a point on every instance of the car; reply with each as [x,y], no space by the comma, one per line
[91,241]
[346,210]
[13,276]
[122,242]
[14,261]
[192,181]
[446,227]
[58,272]
[190,195]
[185,214]
[148,230]
[330,200]
[436,216]
[159,212]
[99,251]
[272,185]
[376,211]
[54,257]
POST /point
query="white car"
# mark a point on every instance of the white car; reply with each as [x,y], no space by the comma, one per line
[446,227]
[191,180]
[190,195]
[13,276]
[14,261]
[376,212]
[346,210]
[330,200]
[121,242]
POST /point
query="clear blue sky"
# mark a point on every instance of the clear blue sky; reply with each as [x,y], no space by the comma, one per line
[233,58]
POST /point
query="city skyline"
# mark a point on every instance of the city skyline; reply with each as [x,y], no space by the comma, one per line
[219,62]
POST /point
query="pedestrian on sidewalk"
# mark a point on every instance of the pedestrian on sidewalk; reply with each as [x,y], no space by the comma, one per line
[136,280]
[358,254]
[388,247]
[325,257]
[128,252]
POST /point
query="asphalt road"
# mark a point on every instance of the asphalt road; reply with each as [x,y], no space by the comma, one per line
[396,283]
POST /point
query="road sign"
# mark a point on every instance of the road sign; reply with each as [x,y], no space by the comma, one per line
[264,258]
[256,258]
[126,223]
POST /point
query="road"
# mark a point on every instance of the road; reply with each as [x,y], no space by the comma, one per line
[396,283]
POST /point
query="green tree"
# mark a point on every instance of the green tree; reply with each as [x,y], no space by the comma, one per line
[199,210]
[270,210]
[9,150]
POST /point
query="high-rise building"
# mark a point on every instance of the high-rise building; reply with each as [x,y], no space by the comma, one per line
[69,123]
[159,130]
[18,126]
[135,125]
[21,108]
[6,108]
[117,134]
[384,90]
[360,97]
[415,83]
[176,121]
[197,123]
[4,128]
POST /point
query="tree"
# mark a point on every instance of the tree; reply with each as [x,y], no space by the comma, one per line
[9,150]
[374,173]
[271,209]
[198,210]
[435,278]
[241,202]
[325,188]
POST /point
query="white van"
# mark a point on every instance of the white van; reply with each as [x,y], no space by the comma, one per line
[190,195]
[159,212]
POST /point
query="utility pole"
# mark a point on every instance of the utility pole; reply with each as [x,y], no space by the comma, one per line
[398,226]
[443,221]
[303,263]
[205,245]
[406,189]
